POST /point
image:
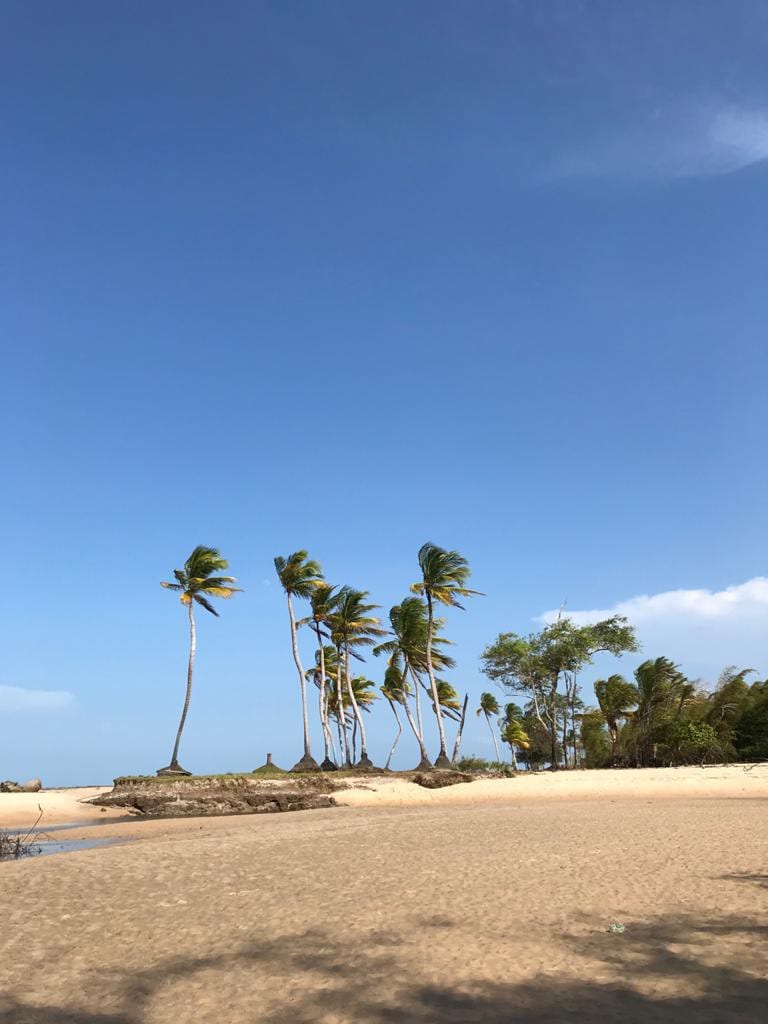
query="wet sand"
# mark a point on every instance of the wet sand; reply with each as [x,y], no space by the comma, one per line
[487,912]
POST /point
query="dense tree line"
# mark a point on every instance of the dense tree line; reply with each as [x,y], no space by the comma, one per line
[659,718]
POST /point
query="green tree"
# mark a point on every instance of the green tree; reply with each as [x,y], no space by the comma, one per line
[443,579]
[513,732]
[539,664]
[196,583]
[596,742]
[616,698]
[490,706]
[299,576]
[662,691]
[751,730]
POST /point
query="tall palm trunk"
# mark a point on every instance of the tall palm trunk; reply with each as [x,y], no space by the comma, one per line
[323,702]
[493,734]
[307,762]
[418,726]
[460,730]
[365,761]
[442,758]
[174,765]
[399,732]
[341,716]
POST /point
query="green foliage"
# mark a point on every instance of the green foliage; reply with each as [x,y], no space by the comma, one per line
[299,575]
[595,740]
[488,705]
[444,575]
[197,580]
[472,764]
[751,730]
[683,741]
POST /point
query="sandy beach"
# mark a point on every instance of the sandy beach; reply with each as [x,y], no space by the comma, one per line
[443,911]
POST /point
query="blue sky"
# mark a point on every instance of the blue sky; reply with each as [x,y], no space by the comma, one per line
[349,277]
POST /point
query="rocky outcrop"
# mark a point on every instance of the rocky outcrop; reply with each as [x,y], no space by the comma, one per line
[439,778]
[33,786]
[206,797]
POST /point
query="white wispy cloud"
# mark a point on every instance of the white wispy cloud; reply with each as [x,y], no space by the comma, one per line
[744,601]
[17,698]
[687,141]
[702,630]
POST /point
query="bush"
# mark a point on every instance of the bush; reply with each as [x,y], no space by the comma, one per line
[479,766]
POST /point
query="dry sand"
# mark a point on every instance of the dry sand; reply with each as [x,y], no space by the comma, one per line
[59,806]
[442,913]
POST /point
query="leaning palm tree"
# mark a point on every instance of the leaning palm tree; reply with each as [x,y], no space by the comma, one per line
[443,578]
[408,654]
[395,690]
[490,706]
[365,694]
[196,583]
[299,576]
[353,626]
[323,601]
[616,698]
[513,733]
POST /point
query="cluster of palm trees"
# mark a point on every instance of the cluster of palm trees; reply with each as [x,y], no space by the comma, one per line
[662,717]
[342,623]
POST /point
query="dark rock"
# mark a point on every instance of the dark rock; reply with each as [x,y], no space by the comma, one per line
[10,787]
[440,778]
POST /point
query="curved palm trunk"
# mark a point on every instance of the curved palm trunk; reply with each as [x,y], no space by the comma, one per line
[307,762]
[174,768]
[442,758]
[399,732]
[365,761]
[493,735]
[418,730]
[460,730]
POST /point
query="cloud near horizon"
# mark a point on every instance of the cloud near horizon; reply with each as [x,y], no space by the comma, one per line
[17,698]
[744,601]
[689,142]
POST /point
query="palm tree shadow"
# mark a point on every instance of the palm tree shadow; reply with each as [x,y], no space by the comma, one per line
[365,982]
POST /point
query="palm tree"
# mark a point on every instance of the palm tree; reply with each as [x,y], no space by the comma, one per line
[323,601]
[490,706]
[299,576]
[444,575]
[395,690]
[353,626]
[364,696]
[408,654]
[322,675]
[196,583]
[616,698]
[662,690]
[514,734]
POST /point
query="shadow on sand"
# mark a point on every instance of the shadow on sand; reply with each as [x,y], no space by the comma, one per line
[356,985]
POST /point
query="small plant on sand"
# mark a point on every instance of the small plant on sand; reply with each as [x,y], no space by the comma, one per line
[15,845]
